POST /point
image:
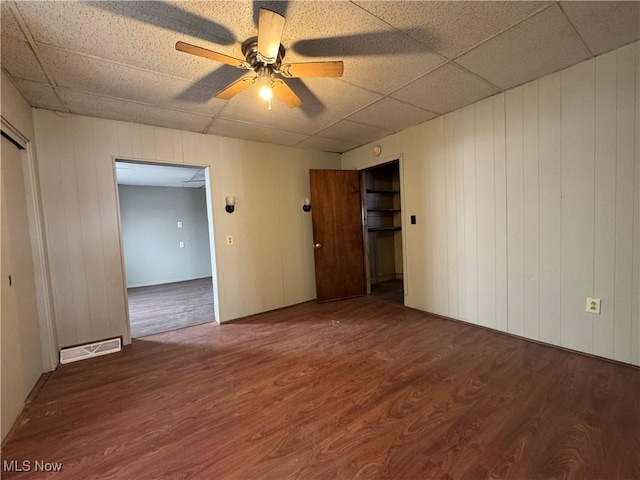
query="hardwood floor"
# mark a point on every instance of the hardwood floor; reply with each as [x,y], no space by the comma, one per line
[351,389]
[160,308]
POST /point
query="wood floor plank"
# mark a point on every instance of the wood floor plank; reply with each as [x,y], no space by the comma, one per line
[353,389]
[170,306]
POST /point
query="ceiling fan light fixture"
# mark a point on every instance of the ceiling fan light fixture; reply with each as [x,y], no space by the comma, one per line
[266,85]
[266,93]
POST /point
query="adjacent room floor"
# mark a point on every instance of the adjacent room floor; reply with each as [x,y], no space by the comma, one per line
[390,291]
[161,308]
[353,389]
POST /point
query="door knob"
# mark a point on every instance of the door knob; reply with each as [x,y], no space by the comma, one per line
[317,245]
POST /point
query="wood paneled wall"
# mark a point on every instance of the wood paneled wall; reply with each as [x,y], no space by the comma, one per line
[527,204]
[269,266]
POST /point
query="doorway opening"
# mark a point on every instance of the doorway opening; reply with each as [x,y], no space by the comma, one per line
[383,221]
[167,244]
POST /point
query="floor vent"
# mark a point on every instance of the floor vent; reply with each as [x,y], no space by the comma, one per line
[90,350]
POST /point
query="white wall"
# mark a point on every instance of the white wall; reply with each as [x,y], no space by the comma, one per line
[269,266]
[15,108]
[525,205]
[149,219]
[20,348]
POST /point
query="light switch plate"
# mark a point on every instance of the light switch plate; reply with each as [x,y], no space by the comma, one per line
[179,224]
[181,244]
[593,305]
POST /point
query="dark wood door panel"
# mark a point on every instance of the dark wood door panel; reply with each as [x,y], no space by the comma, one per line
[337,234]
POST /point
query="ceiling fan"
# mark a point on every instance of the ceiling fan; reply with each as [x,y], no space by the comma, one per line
[263,56]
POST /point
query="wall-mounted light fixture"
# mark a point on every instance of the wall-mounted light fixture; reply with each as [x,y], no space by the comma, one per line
[231,204]
[306,206]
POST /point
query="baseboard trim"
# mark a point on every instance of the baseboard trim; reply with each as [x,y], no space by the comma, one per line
[539,342]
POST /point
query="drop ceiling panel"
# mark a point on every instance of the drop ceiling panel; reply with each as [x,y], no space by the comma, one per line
[209,21]
[538,46]
[389,72]
[93,29]
[351,131]
[93,75]
[10,27]
[327,144]
[18,59]
[249,107]
[377,57]
[129,173]
[445,89]
[451,28]
[87,104]
[118,60]
[40,95]
[618,23]
[332,96]
[257,133]
[391,115]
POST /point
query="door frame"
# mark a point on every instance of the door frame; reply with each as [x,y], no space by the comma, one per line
[210,222]
[378,163]
[41,272]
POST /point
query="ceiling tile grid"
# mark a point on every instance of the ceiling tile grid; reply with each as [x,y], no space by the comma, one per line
[256,133]
[537,47]
[618,23]
[93,75]
[105,107]
[450,28]
[10,27]
[392,115]
[445,89]
[349,131]
[327,144]
[332,96]
[142,174]
[249,107]
[404,61]
[19,60]
[40,95]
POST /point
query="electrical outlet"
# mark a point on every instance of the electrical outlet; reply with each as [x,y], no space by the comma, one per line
[229,240]
[593,305]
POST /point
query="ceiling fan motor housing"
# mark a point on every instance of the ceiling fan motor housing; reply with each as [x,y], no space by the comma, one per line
[250,52]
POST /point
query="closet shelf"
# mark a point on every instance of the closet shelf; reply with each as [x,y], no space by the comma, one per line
[370,190]
[383,229]
[383,209]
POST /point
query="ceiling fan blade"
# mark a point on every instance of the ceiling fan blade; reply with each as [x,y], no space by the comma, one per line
[312,69]
[236,87]
[285,93]
[211,55]
[270,28]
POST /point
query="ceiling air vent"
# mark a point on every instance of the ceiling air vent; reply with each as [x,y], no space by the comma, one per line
[81,352]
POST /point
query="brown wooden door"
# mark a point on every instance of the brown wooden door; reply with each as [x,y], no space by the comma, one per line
[337,234]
